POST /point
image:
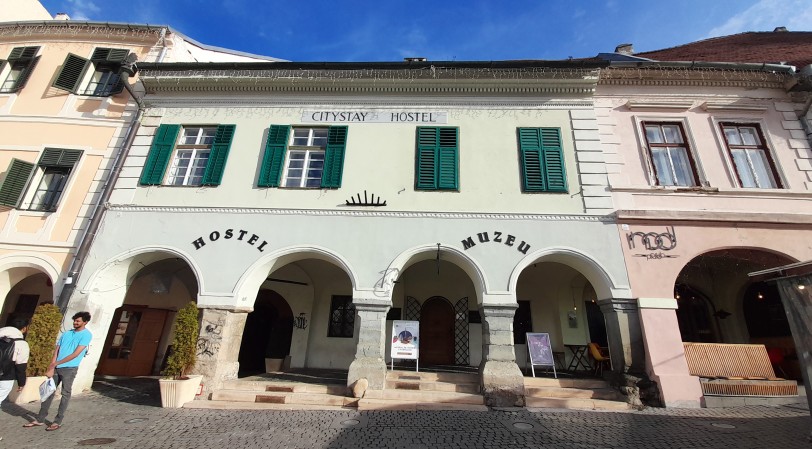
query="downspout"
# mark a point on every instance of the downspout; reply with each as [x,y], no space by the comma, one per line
[98,209]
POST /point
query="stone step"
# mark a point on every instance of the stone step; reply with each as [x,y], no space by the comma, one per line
[229,405]
[387,404]
[574,393]
[433,377]
[564,383]
[294,387]
[426,396]
[275,397]
[432,386]
[576,404]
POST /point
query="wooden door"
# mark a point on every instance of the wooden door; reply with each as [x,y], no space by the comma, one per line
[437,332]
[133,341]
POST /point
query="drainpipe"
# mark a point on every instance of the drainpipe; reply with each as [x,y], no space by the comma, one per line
[128,69]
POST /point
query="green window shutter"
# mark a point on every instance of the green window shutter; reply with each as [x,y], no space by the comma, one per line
[530,159]
[23,53]
[71,73]
[159,154]
[218,155]
[334,157]
[54,157]
[117,54]
[275,149]
[448,159]
[2,64]
[553,155]
[437,162]
[542,160]
[24,75]
[16,179]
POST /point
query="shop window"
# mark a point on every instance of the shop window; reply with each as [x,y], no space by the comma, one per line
[522,323]
[17,68]
[669,154]
[542,160]
[437,161]
[196,158]
[342,317]
[97,76]
[39,186]
[752,160]
[123,340]
[303,157]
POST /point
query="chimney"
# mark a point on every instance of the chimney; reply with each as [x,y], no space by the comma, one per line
[624,49]
[780,30]
[61,16]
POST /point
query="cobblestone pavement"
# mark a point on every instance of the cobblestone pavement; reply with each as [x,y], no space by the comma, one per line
[128,415]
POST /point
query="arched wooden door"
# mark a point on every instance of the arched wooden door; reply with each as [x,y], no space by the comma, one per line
[437,332]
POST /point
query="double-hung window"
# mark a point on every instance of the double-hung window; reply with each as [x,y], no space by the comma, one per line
[542,160]
[97,76]
[751,158]
[669,154]
[342,317]
[40,186]
[303,157]
[437,159]
[15,71]
[194,155]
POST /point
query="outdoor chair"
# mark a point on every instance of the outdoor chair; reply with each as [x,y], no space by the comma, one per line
[600,357]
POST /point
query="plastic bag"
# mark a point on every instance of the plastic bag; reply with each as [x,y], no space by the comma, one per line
[46,389]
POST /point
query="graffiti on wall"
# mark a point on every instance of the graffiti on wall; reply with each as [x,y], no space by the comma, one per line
[208,343]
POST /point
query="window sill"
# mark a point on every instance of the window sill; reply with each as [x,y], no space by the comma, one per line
[700,190]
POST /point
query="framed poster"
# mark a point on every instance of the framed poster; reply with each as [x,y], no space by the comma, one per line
[405,340]
[540,351]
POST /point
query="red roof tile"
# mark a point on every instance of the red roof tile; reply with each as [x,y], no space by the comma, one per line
[792,47]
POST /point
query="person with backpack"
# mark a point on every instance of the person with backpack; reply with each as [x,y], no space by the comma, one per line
[13,356]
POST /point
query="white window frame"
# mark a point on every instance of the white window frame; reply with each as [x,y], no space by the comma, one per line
[91,81]
[728,158]
[651,172]
[308,150]
[197,147]
[6,76]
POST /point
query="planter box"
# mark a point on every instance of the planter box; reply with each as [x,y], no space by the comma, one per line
[175,393]
[273,365]
[30,391]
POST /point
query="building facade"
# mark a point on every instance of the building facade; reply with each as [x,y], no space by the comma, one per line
[306,206]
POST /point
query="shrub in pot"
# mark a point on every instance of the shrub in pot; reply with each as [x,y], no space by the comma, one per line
[179,387]
[41,338]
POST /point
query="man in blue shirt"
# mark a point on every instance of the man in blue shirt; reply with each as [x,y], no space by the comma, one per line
[71,348]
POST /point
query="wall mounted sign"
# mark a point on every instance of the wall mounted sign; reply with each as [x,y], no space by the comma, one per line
[498,237]
[230,234]
[375,116]
[654,241]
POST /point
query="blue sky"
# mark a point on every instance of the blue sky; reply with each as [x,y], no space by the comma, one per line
[471,30]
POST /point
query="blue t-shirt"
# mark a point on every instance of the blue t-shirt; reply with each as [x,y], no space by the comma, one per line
[68,342]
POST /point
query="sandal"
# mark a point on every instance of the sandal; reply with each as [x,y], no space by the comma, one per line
[53,426]
[33,424]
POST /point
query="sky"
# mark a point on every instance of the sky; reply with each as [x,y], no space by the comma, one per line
[441,30]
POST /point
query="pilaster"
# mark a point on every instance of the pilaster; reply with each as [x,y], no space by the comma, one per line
[626,347]
[502,380]
[369,362]
[218,346]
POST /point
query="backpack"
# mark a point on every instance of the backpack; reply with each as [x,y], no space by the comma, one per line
[6,355]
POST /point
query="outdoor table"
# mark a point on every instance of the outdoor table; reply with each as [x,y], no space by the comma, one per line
[579,358]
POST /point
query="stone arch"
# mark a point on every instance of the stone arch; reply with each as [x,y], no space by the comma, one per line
[250,282]
[605,285]
[426,252]
[41,263]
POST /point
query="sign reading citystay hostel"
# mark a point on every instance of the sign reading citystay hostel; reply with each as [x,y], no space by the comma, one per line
[375,116]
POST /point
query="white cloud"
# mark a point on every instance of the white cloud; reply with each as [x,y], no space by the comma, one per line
[82,9]
[766,15]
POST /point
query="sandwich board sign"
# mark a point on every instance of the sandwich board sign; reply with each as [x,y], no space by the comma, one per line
[540,351]
[405,341]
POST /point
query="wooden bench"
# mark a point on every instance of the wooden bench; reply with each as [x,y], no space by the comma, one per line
[736,370]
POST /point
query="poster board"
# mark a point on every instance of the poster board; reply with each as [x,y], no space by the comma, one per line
[405,340]
[540,351]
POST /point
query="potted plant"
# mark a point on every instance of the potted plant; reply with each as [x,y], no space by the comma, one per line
[178,387]
[41,338]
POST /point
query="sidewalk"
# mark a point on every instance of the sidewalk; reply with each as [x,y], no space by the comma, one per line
[127,414]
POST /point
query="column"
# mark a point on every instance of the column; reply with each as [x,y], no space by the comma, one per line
[502,380]
[666,362]
[369,362]
[626,347]
[218,346]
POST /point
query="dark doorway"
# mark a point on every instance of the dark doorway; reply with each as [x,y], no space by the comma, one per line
[596,324]
[437,332]
[268,333]
[695,314]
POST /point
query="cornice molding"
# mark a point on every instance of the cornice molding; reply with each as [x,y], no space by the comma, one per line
[358,213]
[651,104]
[720,106]
[440,81]
[703,77]
[379,103]
[84,30]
